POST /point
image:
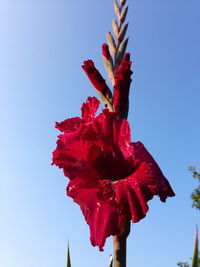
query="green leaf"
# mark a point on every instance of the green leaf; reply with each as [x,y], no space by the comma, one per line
[111,261]
[196,251]
[68,257]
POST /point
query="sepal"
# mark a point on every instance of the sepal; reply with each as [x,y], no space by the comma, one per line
[115,27]
[122,33]
[121,52]
[108,64]
[111,44]
[123,15]
[117,9]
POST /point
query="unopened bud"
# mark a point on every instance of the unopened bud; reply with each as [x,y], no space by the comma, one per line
[105,51]
[117,9]
[123,15]
[122,2]
[111,43]
[115,27]
[122,33]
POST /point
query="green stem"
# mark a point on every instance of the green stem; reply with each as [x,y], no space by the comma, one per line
[119,244]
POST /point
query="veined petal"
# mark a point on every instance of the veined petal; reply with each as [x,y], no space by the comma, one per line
[131,206]
[78,159]
[148,171]
[122,85]
[69,125]
[124,140]
[101,214]
[147,180]
[89,108]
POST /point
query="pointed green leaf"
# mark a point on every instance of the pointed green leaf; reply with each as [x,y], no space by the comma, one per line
[68,257]
[116,8]
[115,27]
[195,258]
[111,261]
[123,15]
[111,43]
[122,33]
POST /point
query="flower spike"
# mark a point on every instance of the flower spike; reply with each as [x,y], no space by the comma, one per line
[110,178]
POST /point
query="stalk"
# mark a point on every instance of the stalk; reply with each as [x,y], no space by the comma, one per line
[119,246]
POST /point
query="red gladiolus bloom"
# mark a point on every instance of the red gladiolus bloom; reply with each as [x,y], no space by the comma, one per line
[111,178]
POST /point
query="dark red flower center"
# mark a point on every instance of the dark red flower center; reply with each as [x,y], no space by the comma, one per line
[112,165]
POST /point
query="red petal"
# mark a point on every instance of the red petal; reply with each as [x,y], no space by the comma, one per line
[100,214]
[90,108]
[133,193]
[77,158]
[151,173]
[122,85]
[124,140]
[132,206]
[69,125]
[99,149]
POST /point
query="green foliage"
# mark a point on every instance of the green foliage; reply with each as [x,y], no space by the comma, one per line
[183,264]
[68,257]
[195,196]
[111,261]
[195,259]
[194,171]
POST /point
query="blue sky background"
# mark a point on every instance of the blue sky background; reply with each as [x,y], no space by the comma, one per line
[42,46]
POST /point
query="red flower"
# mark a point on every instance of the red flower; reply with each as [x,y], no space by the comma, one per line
[95,77]
[122,85]
[111,178]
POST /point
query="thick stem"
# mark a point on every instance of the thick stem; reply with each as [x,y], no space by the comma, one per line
[119,251]
[119,245]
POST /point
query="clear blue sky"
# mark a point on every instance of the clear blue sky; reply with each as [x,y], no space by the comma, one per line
[42,46]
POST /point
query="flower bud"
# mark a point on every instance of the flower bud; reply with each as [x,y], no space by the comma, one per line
[95,77]
[122,2]
[111,44]
[122,86]
[105,51]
